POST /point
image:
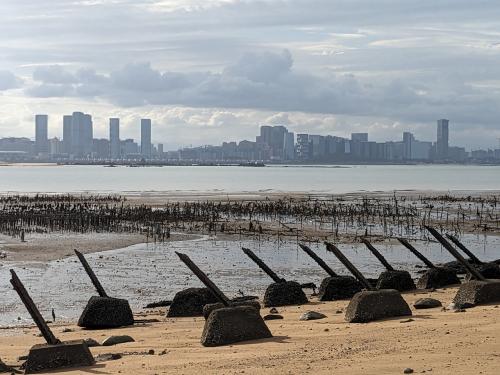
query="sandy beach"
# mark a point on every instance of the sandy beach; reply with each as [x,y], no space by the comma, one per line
[433,341]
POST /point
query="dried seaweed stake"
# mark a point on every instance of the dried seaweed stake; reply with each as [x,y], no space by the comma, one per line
[334,287]
[281,292]
[391,278]
[371,304]
[55,354]
[474,292]
[435,277]
[103,311]
[227,322]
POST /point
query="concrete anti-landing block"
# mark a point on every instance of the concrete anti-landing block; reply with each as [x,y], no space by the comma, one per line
[44,357]
[284,294]
[399,280]
[190,302]
[106,312]
[477,292]
[438,277]
[234,324]
[371,305]
[338,287]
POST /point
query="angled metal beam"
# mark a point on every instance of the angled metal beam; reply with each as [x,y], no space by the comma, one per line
[318,260]
[264,267]
[377,254]
[417,253]
[92,275]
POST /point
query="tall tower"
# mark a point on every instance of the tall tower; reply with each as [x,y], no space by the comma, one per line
[146,138]
[114,138]
[41,134]
[442,139]
[67,134]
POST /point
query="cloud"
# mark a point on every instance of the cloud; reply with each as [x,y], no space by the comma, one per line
[9,80]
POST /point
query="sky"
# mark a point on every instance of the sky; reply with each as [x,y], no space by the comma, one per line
[207,71]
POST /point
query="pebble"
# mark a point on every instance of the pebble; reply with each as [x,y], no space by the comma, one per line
[107,357]
[91,342]
[273,310]
[114,340]
[427,303]
[408,371]
[312,315]
[272,317]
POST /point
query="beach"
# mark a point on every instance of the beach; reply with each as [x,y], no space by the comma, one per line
[432,341]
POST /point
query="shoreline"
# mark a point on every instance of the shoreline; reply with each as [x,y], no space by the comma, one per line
[432,341]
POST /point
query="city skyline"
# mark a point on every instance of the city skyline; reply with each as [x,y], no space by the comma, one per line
[338,67]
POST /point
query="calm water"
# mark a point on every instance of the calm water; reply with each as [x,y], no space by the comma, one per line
[147,273]
[327,179]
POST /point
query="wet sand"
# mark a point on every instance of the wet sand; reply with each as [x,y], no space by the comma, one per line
[53,246]
[435,342]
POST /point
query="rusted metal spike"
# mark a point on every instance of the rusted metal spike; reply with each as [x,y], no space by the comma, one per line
[417,253]
[355,272]
[377,253]
[204,279]
[462,247]
[92,275]
[33,310]
[262,265]
[455,253]
[318,260]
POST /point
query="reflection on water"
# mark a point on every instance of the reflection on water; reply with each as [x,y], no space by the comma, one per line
[146,273]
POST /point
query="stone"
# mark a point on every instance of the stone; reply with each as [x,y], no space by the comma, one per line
[397,279]
[273,310]
[338,288]
[106,312]
[284,294]
[408,371]
[273,317]
[45,357]
[6,368]
[108,357]
[477,292]
[190,302]
[438,277]
[312,315]
[488,270]
[207,309]
[115,340]
[91,342]
[234,324]
[427,303]
[371,305]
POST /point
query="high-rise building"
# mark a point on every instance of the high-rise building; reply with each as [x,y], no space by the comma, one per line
[114,138]
[146,138]
[67,134]
[303,147]
[442,139]
[289,146]
[41,134]
[359,137]
[408,140]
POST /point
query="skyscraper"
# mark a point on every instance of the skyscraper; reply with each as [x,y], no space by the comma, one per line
[41,134]
[146,138]
[114,138]
[408,140]
[442,139]
[67,134]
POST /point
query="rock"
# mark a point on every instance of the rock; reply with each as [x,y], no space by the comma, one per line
[151,352]
[408,371]
[107,357]
[398,280]
[438,277]
[207,309]
[190,302]
[489,270]
[91,342]
[106,312]
[312,315]
[477,293]
[338,287]
[153,305]
[5,368]
[284,294]
[370,305]
[115,340]
[427,303]
[273,317]
[66,330]
[273,310]
[409,320]
[233,324]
